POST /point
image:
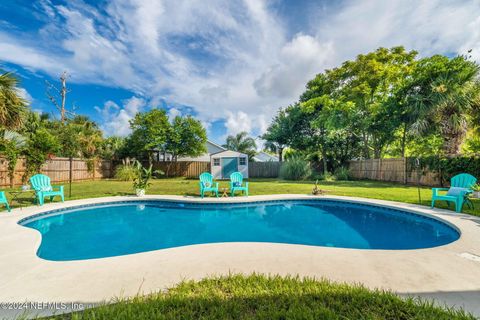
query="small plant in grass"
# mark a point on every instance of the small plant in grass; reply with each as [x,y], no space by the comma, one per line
[126,171]
[295,168]
[342,174]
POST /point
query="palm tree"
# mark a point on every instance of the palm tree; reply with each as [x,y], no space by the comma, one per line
[12,106]
[241,142]
[445,99]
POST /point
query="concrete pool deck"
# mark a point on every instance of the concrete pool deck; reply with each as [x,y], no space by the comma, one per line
[449,274]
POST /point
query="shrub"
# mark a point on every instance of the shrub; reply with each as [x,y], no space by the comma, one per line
[295,169]
[342,173]
[126,171]
[326,177]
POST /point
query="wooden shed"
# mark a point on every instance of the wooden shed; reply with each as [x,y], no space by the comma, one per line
[224,163]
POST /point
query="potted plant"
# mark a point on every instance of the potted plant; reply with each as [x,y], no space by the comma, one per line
[141,181]
[476,191]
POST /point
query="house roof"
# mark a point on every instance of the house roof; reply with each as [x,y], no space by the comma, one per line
[231,151]
[216,145]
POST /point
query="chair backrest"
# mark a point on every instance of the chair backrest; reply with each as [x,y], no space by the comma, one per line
[206,179]
[236,177]
[463,180]
[40,182]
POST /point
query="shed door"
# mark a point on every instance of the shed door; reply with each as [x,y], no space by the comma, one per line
[229,166]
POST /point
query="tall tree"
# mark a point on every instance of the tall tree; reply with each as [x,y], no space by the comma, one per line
[444,92]
[186,137]
[111,147]
[279,133]
[356,95]
[13,107]
[149,133]
[241,142]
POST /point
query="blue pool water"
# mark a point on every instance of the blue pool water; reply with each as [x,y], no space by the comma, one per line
[115,229]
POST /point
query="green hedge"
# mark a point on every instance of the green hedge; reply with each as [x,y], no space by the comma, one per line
[445,167]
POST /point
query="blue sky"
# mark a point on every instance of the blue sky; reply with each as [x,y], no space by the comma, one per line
[231,64]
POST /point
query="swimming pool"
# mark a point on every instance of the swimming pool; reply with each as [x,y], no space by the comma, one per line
[120,228]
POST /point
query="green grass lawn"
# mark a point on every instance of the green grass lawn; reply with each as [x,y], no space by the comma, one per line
[261,297]
[180,186]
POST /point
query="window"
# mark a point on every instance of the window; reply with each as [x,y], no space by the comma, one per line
[243,161]
[216,162]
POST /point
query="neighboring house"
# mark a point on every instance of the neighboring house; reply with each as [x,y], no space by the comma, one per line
[224,163]
[264,157]
[211,148]
[215,148]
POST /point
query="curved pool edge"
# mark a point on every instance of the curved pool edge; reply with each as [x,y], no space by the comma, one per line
[453,232]
[428,272]
[56,208]
[450,218]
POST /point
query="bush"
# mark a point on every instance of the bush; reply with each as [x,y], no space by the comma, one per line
[126,172]
[295,169]
[325,177]
[342,173]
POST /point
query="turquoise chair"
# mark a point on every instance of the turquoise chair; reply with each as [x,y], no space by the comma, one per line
[460,188]
[207,184]
[3,199]
[236,184]
[41,184]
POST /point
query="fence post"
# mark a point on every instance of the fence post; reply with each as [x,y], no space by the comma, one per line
[70,178]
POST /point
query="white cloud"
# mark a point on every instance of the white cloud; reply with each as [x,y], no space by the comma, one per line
[300,60]
[116,119]
[228,60]
[238,122]
[172,113]
[430,27]
[23,93]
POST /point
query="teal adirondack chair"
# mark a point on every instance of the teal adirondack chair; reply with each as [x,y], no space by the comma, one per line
[3,199]
[236,184]
[43,188]
[460,187]
[207,184]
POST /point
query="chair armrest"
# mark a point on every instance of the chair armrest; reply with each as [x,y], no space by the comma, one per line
[435,190]
[246,185]
[59,188]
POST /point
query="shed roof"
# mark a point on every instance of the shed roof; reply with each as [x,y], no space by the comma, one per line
[230,152]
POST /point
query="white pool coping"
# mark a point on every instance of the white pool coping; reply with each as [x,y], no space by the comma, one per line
[449,274]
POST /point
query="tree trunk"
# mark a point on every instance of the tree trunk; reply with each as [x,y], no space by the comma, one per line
[453,137]
[280,154]
[366,151]
[404,140]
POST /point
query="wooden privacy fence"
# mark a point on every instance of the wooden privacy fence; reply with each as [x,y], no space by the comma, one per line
[58,169]
[264,169]
[188,169]
[392,170]
[192,169]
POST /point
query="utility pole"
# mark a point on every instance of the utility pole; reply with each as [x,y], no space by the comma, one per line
[63,96]
[63,93]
